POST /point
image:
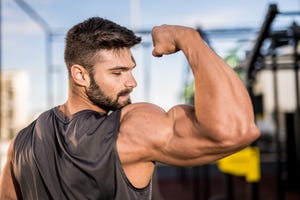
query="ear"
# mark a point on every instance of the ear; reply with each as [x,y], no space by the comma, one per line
[80,75]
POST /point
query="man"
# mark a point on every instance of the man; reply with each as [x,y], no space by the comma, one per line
[99,146]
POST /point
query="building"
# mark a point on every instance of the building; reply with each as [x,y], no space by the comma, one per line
[14,107]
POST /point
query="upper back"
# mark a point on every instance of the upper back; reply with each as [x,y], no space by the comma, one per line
[70,159]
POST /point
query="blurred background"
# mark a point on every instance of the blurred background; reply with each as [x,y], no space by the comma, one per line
[258,39]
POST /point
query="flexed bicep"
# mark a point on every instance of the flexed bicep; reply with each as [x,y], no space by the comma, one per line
[187,142]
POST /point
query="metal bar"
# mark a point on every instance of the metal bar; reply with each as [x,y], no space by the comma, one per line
[250,68]
[206,184]
[45,26]
[279,167]
[297,112]
[213,30]
[49,70]
[196,183]
[253,188]
[254,191]
[289,13]
[264,31]
[281,68]
[34,15]
[229,187]
[147,71]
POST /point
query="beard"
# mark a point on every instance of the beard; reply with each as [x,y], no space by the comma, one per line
[100,99]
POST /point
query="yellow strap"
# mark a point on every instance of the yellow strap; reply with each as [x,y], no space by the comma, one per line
[243,163]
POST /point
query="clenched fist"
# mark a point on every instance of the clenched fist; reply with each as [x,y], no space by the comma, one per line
[167,39]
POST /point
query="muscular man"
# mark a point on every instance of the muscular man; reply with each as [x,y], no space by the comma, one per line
[99,146]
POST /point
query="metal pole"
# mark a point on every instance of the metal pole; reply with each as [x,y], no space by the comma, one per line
[229,187]
[297,113]
[147,71]
[253,187]
[279,167]
[196,183]
[206,184]
[49,70]
[45,26]
[264,31]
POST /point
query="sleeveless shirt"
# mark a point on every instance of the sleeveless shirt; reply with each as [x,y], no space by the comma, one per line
[59,159]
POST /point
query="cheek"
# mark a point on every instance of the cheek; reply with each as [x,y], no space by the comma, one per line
[109,87]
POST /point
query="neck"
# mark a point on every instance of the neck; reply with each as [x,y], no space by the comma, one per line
[78,101]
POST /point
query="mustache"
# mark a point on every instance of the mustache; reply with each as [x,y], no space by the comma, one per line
[125,92]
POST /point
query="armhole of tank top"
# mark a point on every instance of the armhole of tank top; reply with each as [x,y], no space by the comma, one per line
[119,164]
[120,168]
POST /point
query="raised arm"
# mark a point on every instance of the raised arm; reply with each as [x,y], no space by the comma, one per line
[220,123]
[222,119]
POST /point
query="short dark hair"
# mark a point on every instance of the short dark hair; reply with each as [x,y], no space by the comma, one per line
[85,39]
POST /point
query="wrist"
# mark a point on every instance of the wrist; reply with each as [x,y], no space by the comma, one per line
[187,38]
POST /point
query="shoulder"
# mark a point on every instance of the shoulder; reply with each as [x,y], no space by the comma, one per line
[10,149]
[152,118]
[140,107]
[141,114]
[141,118]
[8,185]
[145,126]
[142,127]
[9,157]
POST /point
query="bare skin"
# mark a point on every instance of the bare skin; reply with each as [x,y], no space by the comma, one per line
[220,123]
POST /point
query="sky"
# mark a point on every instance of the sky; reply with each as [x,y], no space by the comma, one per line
[24,41]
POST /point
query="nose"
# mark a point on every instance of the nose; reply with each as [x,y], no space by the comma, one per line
[131,82]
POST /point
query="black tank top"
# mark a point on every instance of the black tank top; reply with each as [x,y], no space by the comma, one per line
[59,159]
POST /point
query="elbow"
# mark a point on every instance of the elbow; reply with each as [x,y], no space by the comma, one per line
[256,132]
[250,134]
[246,135]
[239,137]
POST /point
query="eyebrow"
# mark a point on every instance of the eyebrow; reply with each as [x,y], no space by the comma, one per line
[123,68]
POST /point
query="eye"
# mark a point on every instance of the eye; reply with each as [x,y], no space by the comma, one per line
[117,73]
